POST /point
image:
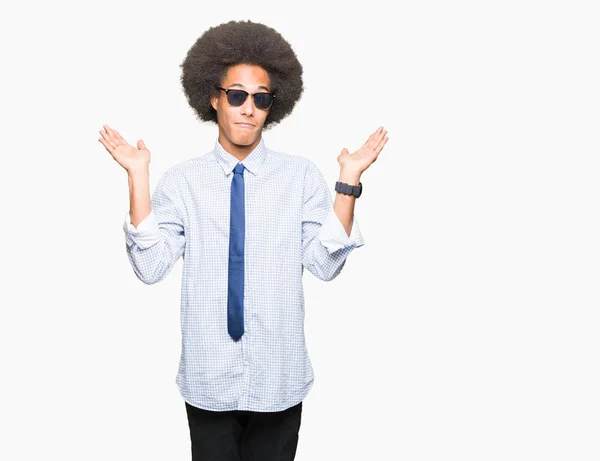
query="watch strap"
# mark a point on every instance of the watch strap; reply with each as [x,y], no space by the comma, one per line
[348,189]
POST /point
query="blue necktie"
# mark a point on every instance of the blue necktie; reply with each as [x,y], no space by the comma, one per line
[235,290]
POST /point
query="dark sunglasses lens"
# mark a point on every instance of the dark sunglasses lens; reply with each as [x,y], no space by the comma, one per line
[236,97]
[263,100]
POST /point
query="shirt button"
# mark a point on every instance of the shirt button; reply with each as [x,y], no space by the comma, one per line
[246,363]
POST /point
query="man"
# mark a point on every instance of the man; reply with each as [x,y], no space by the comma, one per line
[248,220]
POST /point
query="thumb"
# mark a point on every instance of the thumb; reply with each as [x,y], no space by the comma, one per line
[344,152]
[141,145]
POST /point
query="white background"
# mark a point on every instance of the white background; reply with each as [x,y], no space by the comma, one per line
[470,317]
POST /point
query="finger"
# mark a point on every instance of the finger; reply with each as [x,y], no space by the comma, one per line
[107,139]
[382,135]
[381,144]
[343,153]
[373,135]
[114,136]
[108,147]
[375,138]
[109,130]
[109,134]
[119,137]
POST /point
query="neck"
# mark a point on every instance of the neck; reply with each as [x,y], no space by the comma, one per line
[238,151]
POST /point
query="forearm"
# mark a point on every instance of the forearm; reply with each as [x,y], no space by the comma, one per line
[344,204]
[139,195]
[155,233]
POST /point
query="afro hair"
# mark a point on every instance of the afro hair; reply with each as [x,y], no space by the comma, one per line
[241,42]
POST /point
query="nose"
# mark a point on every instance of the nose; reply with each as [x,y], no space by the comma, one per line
[248,106]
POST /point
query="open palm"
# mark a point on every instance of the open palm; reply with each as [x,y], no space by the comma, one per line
[360,160]
[126,155]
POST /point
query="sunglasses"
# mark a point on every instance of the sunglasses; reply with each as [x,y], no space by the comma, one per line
[236,98]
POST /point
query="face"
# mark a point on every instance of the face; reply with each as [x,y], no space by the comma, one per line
[240,128]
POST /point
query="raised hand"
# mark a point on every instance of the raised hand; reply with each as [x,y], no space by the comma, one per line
[360,160]
[126,155]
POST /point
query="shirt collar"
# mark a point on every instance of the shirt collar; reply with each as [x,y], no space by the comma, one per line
[252,162]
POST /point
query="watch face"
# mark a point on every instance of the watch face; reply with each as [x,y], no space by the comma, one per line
[358,190]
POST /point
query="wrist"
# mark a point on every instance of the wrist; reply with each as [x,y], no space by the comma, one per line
[140,172]
[350,177]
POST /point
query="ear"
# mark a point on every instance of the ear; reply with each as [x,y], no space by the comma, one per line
[214,99]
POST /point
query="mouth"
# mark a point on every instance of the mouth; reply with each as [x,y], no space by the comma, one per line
[245,125]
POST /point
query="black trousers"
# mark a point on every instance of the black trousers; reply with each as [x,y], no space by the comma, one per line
[244,435]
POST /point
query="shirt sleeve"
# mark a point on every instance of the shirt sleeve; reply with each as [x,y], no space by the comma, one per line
[333,236]
[325,244]
[158,242]
[147,232]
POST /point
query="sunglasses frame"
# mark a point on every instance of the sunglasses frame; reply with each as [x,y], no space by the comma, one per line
[247,94]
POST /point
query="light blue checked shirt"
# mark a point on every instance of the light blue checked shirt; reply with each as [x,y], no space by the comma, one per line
[290,225]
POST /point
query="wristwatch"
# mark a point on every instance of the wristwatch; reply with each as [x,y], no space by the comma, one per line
[348,189]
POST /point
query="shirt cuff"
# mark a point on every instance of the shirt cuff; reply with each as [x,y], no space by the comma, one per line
[146,234]
[333,236]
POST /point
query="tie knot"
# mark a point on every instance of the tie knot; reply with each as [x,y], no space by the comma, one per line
[239,169]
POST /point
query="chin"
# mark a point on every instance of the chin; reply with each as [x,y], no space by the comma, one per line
[244,140]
